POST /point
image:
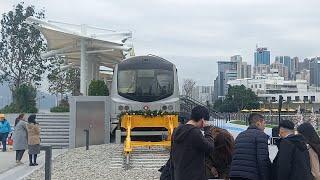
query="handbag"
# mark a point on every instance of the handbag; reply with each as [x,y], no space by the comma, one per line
[10,140]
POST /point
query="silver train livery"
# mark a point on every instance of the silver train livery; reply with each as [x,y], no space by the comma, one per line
[144,83]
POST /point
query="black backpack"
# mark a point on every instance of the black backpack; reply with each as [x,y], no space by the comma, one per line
[167,171]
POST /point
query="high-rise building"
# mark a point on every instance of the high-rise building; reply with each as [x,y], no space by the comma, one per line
[303,75]
[261,56]
[261,69]
[284,60]
[294,67]
[280,68]
[227,70]
[245,70]
[238,60]
[203,94]
[315,72]
[304,65]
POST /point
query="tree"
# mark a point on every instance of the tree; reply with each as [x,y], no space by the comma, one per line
[98,88]
[63,81]
[20,47]
[24,102]
[26,99]
[188,85]
[57,80]
[238,98]
[73,81]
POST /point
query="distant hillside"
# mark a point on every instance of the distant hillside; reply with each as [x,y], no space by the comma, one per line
[44,99]
[5,95]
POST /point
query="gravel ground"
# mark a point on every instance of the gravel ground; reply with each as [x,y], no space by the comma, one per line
[79,164]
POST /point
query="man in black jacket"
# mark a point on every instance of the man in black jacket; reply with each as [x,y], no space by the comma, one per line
[292,160]
[189,147]
[251,156]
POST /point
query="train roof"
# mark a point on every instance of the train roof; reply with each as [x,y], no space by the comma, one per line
[146,62]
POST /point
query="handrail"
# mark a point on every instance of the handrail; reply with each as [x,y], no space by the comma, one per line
[194,102]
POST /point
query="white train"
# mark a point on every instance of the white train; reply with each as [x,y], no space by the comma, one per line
[144,83]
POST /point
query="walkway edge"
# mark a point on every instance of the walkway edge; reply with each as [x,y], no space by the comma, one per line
[23,171]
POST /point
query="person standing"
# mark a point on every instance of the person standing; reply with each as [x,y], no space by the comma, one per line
[292,160]
[5,129]
[218,161]
[313,140]
[20,137]
[251,155]
[33,139]
[189,146]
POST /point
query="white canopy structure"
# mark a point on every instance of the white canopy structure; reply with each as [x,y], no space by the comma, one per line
[85,46]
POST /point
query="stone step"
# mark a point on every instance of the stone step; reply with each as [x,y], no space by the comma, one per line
[64,133]
[55,130]
[55,127]
[54,140]
[55,144]
[52,115]
[54,124]
[54,137]
[53,120]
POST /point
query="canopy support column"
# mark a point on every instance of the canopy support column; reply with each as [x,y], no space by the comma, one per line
[83,68]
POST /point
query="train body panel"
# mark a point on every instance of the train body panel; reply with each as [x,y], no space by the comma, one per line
[144,82]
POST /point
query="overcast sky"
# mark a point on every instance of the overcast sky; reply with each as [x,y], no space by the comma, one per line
[196,34]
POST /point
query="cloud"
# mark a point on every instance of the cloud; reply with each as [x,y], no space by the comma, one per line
[199,29]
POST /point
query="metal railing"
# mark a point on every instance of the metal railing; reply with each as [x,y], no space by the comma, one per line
[187,104]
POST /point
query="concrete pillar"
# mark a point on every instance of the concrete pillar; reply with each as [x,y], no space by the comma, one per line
[83,68]
[89,73]
[97,67]
[83,62]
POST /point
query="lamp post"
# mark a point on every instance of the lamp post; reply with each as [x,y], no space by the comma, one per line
[280,107]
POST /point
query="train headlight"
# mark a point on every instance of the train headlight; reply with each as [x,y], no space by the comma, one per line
[170,107]
[164,108]
[145,108]
[126,108]
[120,108]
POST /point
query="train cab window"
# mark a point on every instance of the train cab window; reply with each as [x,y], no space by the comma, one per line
[145,85]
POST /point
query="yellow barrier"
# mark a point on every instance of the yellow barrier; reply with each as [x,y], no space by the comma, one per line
[135,121]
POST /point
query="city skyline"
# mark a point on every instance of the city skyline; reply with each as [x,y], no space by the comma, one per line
[208,30]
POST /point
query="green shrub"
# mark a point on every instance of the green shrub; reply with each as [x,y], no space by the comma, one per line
[98,88]
[59,109]
[24,100]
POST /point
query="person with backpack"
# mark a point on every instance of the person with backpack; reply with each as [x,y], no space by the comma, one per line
[313,140]
[292,160]
[5,129]
[189,146]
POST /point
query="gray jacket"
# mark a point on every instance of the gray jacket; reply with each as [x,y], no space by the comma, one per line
[20,136]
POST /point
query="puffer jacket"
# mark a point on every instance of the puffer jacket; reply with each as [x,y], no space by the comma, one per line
[251,156]
[33,134]
[292,161]
[5,126]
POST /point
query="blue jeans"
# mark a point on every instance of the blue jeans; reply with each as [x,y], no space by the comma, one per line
[4,137]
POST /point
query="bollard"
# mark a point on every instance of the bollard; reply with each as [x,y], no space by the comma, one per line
[48,161]
[87,138]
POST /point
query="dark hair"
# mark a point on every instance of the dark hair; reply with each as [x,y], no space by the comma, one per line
[255,117]
[32,119]
[286,124]
[18,119]
[311,136]
[221,156]
[199,112]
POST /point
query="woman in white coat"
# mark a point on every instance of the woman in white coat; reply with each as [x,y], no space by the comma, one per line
[20,137]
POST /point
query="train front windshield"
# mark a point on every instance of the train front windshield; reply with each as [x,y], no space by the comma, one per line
[145,85]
